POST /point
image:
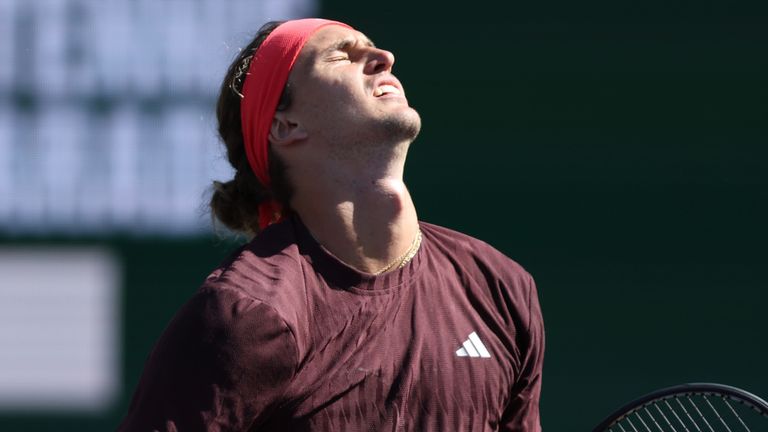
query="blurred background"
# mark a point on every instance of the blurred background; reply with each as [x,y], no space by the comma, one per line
[616,149]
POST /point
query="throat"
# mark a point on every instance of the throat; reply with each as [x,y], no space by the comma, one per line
[373,229]
[404,259]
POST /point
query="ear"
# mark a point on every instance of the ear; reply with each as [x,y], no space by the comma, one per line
[285,131]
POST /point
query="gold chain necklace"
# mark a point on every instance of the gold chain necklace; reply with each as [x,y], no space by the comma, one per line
[402,260]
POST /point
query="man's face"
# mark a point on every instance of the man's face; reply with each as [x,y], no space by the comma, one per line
[344,92]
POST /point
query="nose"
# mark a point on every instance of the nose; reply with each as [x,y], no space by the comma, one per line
[379,60]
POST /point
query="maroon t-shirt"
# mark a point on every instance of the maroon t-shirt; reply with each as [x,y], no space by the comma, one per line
[284,336]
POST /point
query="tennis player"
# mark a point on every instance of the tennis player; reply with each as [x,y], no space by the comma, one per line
[344,313]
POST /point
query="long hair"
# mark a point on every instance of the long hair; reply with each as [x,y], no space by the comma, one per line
[235,202]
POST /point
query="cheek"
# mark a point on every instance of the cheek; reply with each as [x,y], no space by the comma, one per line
[341,83]
[342,90]
[331,95]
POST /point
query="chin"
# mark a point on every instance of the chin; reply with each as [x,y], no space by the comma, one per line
[405,125]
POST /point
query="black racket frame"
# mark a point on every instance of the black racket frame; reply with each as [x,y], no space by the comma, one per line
[733,393]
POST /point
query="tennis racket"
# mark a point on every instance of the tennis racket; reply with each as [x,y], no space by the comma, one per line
[691,408]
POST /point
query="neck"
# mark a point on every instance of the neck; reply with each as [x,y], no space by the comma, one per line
[365,218]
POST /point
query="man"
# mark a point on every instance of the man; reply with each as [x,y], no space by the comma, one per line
[344,313]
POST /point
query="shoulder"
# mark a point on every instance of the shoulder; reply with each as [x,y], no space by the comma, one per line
[485,272]
[472,253]
[236,319]
[222,360]
[266,269]
[225,325]
[269,273]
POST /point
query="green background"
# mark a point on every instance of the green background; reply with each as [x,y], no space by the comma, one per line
[617,150]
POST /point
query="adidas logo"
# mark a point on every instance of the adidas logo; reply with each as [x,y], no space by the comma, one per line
[473,347]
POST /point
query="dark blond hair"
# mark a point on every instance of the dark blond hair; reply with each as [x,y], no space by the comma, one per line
[235,203]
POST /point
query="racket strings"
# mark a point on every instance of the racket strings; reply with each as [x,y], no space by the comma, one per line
[679,420]
[735,413]
[632,424]
[687,413]
[698,429]
[698,411]
[665,419]
[717,413]
[649,415]
[637,413]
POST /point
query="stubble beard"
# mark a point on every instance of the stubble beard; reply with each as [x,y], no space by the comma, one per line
[379,140]
[392,131]
[402,127]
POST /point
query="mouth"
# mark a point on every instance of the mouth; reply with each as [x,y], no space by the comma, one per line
[388,87]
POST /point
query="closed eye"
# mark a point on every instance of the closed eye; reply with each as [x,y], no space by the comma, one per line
[345,47]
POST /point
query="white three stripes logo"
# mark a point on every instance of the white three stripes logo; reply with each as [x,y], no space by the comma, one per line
[473,347]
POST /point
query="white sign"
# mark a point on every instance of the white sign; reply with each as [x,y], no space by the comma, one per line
[59,329]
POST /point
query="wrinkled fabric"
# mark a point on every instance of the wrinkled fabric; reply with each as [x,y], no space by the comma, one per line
[284,336]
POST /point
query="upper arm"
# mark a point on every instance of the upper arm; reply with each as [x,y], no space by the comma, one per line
[222,364]
[522,411]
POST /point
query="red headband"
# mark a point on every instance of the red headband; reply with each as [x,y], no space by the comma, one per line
[264,84]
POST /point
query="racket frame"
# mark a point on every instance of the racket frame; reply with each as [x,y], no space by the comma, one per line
[732,393]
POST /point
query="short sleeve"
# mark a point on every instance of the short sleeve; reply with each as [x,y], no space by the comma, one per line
[222,364]
[522,412]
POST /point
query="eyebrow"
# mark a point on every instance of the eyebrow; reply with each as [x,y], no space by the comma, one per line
[347,43]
